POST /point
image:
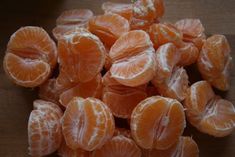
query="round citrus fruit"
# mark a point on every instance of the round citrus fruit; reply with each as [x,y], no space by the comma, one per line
[121,99]
[44,128]
[87,123]
[91,88]
[81,56]
[122,9]
[70,20]
[175,86]
[30,56]
[207,112]
[167,57]
[215,62]
[157,122]
[65,151]
[164,33]
[108,27]
[185,147]
[118,146]
[133,59]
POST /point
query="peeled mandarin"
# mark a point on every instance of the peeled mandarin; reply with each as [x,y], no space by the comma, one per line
[207,112]
[133,59]
[118,146]
[175,86]
[31,56]
[81,56]
[65,151]
[157,122]
[167,57]
[91,88]
[108,27]
[121,99]
[185,147]
[122,9]
[69,20]
[44,128]
[188,54]
[148,9]
[215,62]
[87,124]
[164,33]
[193,31]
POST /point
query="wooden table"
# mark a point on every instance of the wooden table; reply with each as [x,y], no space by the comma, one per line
[218,16]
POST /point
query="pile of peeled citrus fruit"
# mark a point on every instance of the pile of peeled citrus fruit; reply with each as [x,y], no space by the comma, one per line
[124,64]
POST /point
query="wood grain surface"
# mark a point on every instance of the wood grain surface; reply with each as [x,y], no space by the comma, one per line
[218,16]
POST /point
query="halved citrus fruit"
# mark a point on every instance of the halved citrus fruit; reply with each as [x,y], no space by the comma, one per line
[87,123]
[164,33]
[122,9]
[44,128]
[185,147]
[118,146]
[215,62]
[133,59]
[65,151]
[81,56]
[108,27]
[157,122]
[121,99]
[30,57]
[207,112]
[91,88]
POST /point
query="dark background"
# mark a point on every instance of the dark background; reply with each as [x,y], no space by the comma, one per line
[218,16]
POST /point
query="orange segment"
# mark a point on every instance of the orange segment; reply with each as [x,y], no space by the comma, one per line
[119,98]
[70,20]
[122,9]
[81,56]
[87,124]
[133,59]
[91,88]
[214,62]
[167,56]
[188,54]
[209,113]
[108,27]
[44,128]
[133,42]
[118,146]
[164,33]
[65,151]
[185,147]
[157,122]
[30,56]
[33,73]
[136,70]
[175,86]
